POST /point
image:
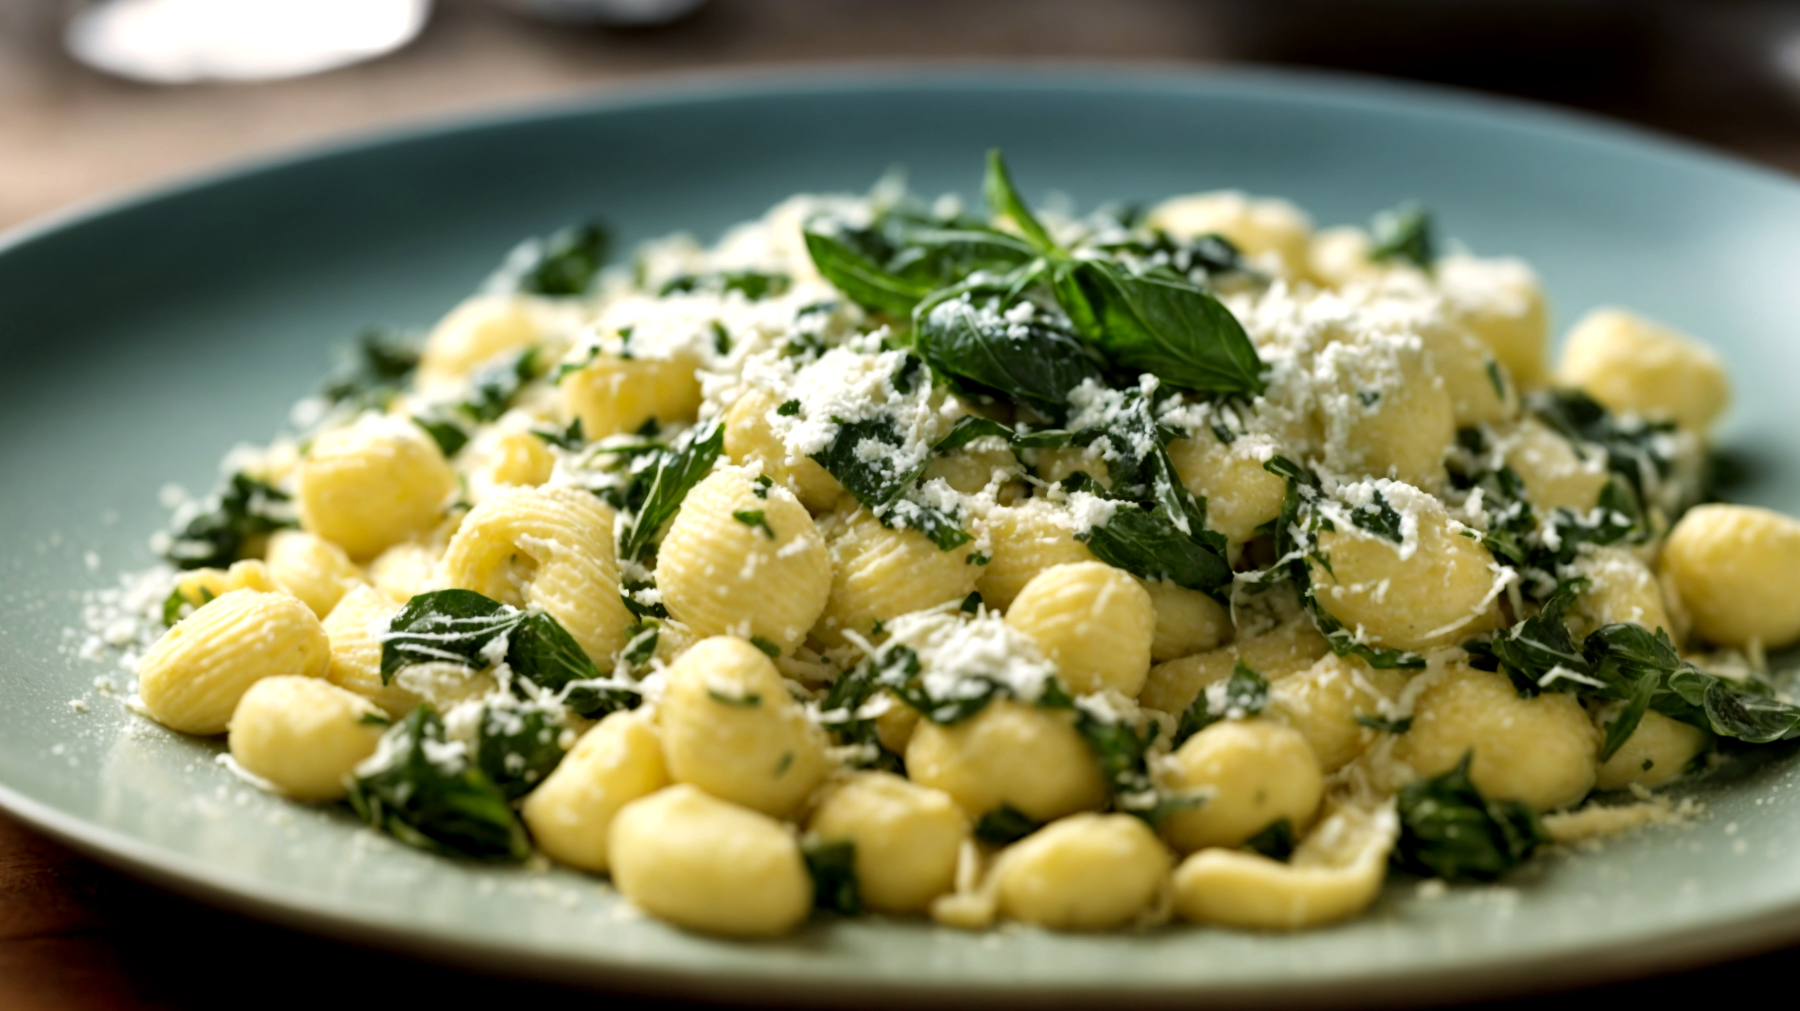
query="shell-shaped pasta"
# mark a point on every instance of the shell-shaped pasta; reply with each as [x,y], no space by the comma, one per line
[731,728]
[1501,302]
[612,394]
[1656,753]
[1083,872]
[1187,621]
[880,573]
[312,568]
[1026,539]
[507,460]
[1633,365]
[549,548]
[1437,591]
[1273,231]
[1009,753]
[708,865]
[1061,462]
[744,560]
[1289,647]
[617,761]
[1094,622]
[1334,873]
[1240,495]
[355,627]
[484,327]
[1257,772]
[1324,701]
[192,679]
[1542,751]
[304,734]
[373,484]
[907,837]
[1620,588]
[750,441]
[407,569]
[1737,572]
[1557,474]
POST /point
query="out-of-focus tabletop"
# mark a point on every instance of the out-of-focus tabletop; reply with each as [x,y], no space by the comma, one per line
[75,935]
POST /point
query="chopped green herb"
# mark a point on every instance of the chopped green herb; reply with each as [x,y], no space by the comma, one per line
[721,339]
[654,493]
[426,793]
[449,436]
[755,519]
[788,408]
[1404,233]
[1244,694]
[1449,830]
[833,868]
[754,285]
[1004,826]
[242,508]
[571,438]
[384,360]
[760,487]
[517,745]
[493,388]
[750,701]
[1383,725]
[971,603]
[565,263]
[1275,842]
[766,645]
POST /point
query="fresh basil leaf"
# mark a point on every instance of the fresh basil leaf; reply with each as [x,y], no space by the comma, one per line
[449,436]
[1404,233]
[1004,200]
[832,864]
[654,494]
[453,626]
[1167,327]
[566,263]
[426,794]
[1024,361]
[861,278]
[752,284]
[384,360]
[1449,830]
[870,476]
[1146,543]
[1539,646]
[1209,254]
[517,745]
[947,256]
[1244,694]
[1004,826]
[967,429]
[1275,842]
[213,532]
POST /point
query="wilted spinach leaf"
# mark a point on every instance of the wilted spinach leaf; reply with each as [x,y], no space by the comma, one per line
[214,535]
[654,493]
[517,745]
[1025,361]
[1165,326]
[565,263]
[1404,233]
[425,793]
[1449,830]
[832,864]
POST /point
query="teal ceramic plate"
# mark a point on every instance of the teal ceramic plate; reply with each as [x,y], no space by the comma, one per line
[139,341]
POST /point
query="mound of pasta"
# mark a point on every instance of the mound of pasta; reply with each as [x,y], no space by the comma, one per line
[1077,571]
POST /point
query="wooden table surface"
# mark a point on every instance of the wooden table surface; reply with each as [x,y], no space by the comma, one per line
[76,935]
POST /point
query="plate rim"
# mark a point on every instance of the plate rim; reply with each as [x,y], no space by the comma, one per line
[1670,951]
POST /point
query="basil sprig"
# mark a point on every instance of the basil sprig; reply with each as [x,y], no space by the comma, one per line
[425,793]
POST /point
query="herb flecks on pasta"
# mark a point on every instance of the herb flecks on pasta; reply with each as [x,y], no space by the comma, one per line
[988,563]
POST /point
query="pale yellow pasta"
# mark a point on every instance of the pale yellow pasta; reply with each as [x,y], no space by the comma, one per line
[1253,774]
[1026,539]
[1094,622]
[355,627]
[305,735]
[879,573]
[197,586]
[1291,646]
[312,568]
[373,484]
[1501,302]
[1656,753]
[1557,473]
[731,728]
[192,679]
[1272,230]
[1635,366]
[1334,873]
[1481,392]
[481,329]
[907,838]
[1240,494]
[1083,872]
[615,762]
[708,865]
[1390,413]
[1620,589]
[750,441]
[612,394]
[983,464]
[1541,751]
[1187,621]
[1010,753]
[1437,591]
[1056,464]
[407,569]
[1325,701]
[1737,571]
[549,548]
[1340,256]
[744,559]
[507,460]
[895,725]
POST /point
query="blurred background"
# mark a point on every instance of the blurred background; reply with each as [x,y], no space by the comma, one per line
[1726,72]
[269,75]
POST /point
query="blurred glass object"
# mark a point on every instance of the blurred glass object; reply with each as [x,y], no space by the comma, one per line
[625,13]
[187,41]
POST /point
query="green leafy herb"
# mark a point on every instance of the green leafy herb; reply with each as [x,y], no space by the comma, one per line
[1004,826]
[383,362]
[755,519]
[760,487]
[753,284]
[1449,830]
[788,408]
[517,745]
[1638,451]
[833,867]
[967,429]
[1145,543]
[971,603]
[989,353]
[571,438]
[449,436]
[1003,199]
[426,794]
[1404,233]
[493,387]
[877,483]
[721,339]
[750,701]
[565,263]
[1275,842]
[852,262]
[654,493]
[1165,326]
[1384,725]
[172,605]
[765,645]
[1244,694]
[1378,518]
[213,534]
